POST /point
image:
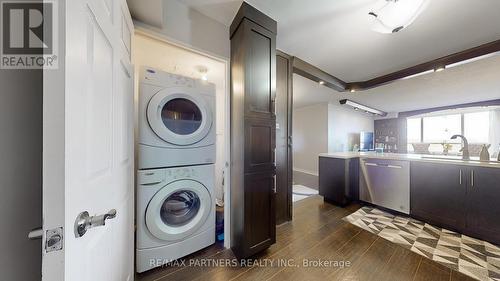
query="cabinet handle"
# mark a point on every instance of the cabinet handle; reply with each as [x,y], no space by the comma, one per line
[460,180]
[274,185]
[472,178]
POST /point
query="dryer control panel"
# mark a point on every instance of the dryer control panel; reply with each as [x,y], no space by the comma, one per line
[168,78]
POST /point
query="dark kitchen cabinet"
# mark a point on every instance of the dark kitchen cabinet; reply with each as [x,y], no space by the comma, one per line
[339,180]
[483,203]
[461,198]
[438,193]
[260,225]
[253,132]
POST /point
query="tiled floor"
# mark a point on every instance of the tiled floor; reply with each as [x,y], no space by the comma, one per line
[473,257]
[301,192]
[317,232]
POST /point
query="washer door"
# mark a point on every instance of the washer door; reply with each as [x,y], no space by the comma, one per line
[179,116]
[178,210]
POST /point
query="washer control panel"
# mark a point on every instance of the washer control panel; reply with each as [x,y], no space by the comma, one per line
[182,173]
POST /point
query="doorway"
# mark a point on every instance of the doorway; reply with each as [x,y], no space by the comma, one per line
[156,51]
[321,125]
[21,173]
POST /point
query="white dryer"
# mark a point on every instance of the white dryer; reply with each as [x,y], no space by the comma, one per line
[175,214]
[176,121]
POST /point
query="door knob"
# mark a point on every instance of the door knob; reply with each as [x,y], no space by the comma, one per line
[84,221]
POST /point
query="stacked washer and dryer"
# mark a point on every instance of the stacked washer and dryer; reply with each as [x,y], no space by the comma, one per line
[175,178]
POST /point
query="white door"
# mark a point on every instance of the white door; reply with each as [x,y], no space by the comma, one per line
[92,146]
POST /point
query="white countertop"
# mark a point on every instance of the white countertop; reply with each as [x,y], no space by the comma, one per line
[457,160]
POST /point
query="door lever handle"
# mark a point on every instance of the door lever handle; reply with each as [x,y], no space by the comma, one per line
[36,233]
[85,222]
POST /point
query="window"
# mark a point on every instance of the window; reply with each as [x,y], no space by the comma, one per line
[438,129]
[477,127]
[414,132]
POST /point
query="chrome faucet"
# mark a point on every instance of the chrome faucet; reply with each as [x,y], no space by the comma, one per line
[465,148]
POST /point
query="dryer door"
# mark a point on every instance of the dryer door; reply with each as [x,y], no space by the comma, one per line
[179,116]
[177,210]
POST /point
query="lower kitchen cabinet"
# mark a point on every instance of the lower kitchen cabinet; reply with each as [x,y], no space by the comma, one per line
[461,198]
[483,203]
[339,180]
[437,194]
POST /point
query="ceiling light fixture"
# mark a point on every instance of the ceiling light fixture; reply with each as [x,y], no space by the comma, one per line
[366,109]
[322,82]
[390,16]
[440,68]
[352,90]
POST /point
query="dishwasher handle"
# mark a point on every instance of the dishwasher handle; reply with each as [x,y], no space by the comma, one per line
[383,165]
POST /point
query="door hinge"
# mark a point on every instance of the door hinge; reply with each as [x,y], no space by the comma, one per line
[54,240]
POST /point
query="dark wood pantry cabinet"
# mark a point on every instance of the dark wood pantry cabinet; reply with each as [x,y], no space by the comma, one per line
[253,132]
[461,198]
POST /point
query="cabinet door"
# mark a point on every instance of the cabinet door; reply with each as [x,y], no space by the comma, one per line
[260,145]
[483,208]
[260,221]
[260,72]
[334,180]
[437,194]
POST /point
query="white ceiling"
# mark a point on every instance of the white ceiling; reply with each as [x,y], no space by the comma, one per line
[335,34]
[472,82]
[222,11]
[151,14]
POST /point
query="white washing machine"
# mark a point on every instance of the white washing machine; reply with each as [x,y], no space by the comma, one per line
[175,214]
[176,121]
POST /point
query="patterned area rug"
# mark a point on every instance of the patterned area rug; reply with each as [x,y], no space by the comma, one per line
[475,258]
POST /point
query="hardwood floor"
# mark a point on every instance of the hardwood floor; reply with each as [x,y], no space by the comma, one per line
[317,233]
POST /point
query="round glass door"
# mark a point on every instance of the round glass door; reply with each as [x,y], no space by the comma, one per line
[179,116]
[178,210]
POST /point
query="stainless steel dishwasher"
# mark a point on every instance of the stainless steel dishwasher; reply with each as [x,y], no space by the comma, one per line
[385,183]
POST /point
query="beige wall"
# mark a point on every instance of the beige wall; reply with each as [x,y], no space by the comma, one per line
[324,128]
[310,137]
[343,122]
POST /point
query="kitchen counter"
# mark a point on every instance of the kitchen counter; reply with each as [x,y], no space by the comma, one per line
[414,157]
[443,191]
